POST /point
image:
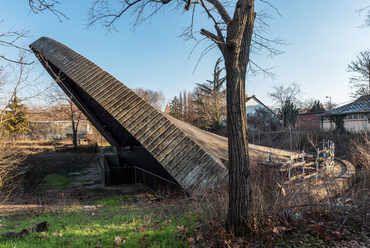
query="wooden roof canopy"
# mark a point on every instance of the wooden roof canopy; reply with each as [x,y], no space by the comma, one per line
[193,157]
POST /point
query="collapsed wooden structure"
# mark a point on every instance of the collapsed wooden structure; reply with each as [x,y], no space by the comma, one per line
[180,152]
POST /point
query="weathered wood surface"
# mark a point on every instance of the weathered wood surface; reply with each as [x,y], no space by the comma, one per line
[191,156]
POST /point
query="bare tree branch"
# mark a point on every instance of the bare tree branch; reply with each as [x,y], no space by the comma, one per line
[221,10]
[39,6]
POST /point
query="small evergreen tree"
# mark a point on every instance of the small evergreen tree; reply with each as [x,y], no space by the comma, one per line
[211,101]
[14,118]
[316,107]
[175,108]
[288,114]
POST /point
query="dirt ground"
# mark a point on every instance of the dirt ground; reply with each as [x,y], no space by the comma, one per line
[87,187]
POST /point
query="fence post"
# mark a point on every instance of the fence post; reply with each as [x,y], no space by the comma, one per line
[290,165]
[318,154]
[303,161]
[323,149]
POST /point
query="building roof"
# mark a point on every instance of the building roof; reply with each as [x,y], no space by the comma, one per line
[247,99]
[361,105]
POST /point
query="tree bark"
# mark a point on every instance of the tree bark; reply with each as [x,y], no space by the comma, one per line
[236,56]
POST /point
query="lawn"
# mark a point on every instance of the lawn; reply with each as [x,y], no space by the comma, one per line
[115,221]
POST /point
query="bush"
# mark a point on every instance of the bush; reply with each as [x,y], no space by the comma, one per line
[11,174]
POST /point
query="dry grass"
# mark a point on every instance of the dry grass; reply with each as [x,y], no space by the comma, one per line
[10,171]
[290,218]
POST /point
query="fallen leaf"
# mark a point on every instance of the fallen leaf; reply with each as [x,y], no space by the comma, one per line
[60,234]
[142,229]
[190,240]
[98,246]
[199,237]
[222,230]
[197,227]
[44,238]
[118,240]
[180,228]
[278,230]
[141,240]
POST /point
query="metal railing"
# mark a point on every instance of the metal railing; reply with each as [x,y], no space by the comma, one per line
[130,175]
[307,161]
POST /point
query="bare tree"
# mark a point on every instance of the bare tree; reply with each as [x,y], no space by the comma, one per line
[62,107]
[233,32]
[154,98]
[9,39]
[367,18]
[281,94]
[19,78]
[10,172]
[360,82]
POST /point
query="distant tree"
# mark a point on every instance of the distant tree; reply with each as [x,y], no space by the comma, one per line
[281,94]
[211,100]
[154,98]
[288,114]
[62,107]
[175,109]
[360,82]
[328,105]
[14,118]
[316,107]
[183,107]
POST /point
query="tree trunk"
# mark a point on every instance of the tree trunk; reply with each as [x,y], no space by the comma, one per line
[236,54]
[239,169]
[74,134]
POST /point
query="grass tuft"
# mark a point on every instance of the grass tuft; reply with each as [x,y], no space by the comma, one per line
[55,181]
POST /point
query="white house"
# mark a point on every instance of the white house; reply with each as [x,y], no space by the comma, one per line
[353,116]
[252,105]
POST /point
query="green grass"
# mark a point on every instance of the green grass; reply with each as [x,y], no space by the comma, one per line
[115,200]
[85,180]
[55,181]
[141,225]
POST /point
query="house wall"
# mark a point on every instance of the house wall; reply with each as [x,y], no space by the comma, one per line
[328,126]
[360,124]
[355,126]
[251,106]
[309,122]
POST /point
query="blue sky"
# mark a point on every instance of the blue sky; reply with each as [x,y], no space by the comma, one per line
[323,36]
